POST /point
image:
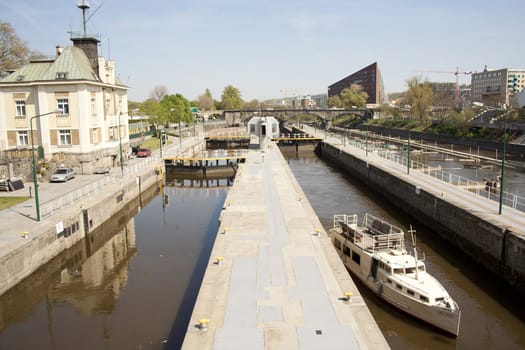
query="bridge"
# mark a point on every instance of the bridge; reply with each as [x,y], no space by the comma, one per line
[324,116]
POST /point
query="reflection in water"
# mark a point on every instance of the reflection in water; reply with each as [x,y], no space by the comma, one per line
[89,277]
[131,285]
[192,180]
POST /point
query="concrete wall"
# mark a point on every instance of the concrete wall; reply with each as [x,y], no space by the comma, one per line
[498,249]
[487,145]
[78,222]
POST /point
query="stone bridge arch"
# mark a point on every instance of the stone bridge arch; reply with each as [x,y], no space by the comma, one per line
[325,116]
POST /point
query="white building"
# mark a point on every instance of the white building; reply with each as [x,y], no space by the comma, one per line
[496,87]
[91,125]
[265,128]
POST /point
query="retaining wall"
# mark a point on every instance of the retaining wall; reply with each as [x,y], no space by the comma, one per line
[78,221]
[498,249]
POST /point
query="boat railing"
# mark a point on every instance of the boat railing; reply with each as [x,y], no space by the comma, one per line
[342,220]
[382,235]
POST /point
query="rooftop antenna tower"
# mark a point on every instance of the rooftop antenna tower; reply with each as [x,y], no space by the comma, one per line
[84,6]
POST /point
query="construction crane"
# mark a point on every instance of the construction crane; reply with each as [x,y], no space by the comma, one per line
[457,72]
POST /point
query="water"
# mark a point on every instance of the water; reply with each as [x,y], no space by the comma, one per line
[493,317]
[133,287]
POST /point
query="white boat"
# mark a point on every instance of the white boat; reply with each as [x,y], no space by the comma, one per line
[375,253]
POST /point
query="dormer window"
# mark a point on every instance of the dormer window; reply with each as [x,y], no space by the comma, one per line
[61,75]
[20,77]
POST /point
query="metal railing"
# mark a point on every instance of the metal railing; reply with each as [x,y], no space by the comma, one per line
[473,186]
[52,206]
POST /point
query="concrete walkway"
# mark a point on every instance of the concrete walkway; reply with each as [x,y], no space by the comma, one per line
[482,207]
[274,280]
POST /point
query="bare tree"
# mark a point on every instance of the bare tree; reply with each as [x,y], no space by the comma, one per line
[419,97]
[206,101]
[13,51]
[158,93]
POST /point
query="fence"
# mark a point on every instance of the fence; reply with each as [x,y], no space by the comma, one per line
[50,207]
[479,188]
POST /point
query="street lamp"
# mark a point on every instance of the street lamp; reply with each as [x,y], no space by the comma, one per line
[408,151]
[35,182]
[503,166]
[161,139]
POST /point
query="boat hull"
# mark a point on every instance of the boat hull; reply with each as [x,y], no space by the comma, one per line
[446,319]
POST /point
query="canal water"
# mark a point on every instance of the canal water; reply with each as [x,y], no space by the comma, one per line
[134,285]
[493,317]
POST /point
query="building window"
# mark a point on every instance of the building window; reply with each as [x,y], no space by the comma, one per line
[93,106]
[111,133]
[20,108]
[22,138]
[95,136]
[64,137]
[63,105]
[61,75]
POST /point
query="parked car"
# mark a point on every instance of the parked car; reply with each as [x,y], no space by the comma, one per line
[62,175]
[144,152]
[101,170]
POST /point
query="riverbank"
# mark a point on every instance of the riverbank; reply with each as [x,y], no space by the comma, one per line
[470,223]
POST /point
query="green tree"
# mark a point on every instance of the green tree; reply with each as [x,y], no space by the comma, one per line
[354,96]
[206,101]
[13,52]
[156,114]
[177,107]
[253,104]
[334,101]
[419,97]
[231,98]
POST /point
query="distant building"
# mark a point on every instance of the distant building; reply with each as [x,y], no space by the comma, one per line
[303,102]
[443,93]
[320,100]
[92,122]
[369,78]
[496,87]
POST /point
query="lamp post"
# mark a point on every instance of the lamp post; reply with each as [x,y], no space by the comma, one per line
[408,151]
[35,182]
[161,138]
[502,167]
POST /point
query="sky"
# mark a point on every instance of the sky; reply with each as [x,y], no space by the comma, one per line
[280,48]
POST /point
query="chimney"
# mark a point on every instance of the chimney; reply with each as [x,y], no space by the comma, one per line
[58,50]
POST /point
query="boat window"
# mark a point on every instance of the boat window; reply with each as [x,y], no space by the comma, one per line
[410,270]
[356,257]
[421,267]
[388,269]
[398,286]
[440,299]
[398,271]
[346,250]
[424,298]
[337,244]
[410,292]
[389,280]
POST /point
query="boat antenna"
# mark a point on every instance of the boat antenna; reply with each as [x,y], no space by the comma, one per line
[413,235]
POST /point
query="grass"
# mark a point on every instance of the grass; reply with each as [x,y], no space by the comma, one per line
[152,143]
[7,202]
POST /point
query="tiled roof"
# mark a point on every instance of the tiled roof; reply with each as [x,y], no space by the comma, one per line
[72,61]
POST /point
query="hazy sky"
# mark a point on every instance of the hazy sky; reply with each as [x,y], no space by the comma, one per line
[266,47]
